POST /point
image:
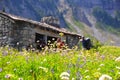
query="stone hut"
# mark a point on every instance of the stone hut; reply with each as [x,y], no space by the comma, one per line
[21,32]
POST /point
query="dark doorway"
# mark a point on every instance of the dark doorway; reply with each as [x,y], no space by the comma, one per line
[51,40]
[40,41]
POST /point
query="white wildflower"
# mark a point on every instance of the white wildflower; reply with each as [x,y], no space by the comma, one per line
[87,77]
[44,60]
[86,71]
[101,64]
[99,69]
[64,76]
[105,77]
[20,78]
[17,43]
[73,78]
[38,41]
[117,67]
[15,69]
[53,38]
[0,69]
[8,76]
[8,62]
[119,73]
[44,69]
[31,71]
[117,59]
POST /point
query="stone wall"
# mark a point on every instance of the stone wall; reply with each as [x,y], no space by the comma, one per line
[17,34]
[23,35]
[6,25]
[72,41]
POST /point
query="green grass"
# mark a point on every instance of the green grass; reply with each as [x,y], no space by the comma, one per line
[79,24]
[89,65]
[85,30]
[71,28]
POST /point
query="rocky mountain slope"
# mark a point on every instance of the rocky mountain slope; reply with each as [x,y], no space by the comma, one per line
[98,18]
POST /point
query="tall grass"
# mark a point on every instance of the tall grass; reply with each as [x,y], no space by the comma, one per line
[79,64]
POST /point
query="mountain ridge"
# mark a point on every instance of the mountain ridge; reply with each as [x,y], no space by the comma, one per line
[74,13]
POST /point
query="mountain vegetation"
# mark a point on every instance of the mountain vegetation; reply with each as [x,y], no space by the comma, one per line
[100,18]
[108,22]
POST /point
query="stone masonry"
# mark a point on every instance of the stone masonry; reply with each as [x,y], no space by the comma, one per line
[6,25]
[21,33]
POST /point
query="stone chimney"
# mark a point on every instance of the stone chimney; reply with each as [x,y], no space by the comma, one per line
[51,21]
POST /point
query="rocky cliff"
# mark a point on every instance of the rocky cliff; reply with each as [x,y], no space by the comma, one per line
[35,9]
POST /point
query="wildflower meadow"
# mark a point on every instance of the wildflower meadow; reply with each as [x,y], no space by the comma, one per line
[102,63]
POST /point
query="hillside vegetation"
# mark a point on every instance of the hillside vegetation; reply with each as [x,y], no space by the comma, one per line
[106,21]
[103,14]
[68,64]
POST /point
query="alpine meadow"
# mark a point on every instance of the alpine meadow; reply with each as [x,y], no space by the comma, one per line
[59,39]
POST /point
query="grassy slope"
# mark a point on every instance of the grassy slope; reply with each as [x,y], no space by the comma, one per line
[88,64]
[107,28]
[83,30]
[70,27]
